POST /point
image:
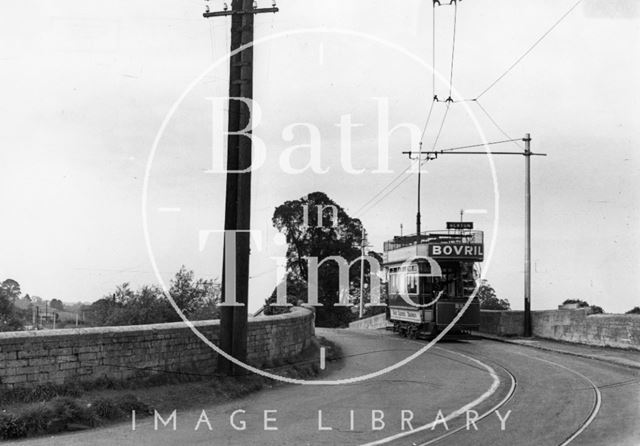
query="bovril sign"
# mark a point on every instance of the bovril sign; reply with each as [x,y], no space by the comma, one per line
[463,251]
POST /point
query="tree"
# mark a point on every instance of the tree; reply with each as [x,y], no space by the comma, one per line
[9,319]
[56,304]
[634,310]
[337,234]
[12,288]
[197,299]
[488,298]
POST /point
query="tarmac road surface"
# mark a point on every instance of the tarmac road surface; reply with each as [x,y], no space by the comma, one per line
[476,392]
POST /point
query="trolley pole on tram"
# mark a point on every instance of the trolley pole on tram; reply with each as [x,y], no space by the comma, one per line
[419,163]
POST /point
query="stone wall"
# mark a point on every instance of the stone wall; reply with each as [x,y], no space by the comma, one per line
[502,323]
[30,358]
[371,323]
[606,330]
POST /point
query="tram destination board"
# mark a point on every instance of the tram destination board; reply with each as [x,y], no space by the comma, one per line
[459,225]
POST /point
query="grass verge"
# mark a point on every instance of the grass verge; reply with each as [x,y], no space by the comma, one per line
[51,409]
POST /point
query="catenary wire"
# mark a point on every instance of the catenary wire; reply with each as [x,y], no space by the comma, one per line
[453,46]
[540,39]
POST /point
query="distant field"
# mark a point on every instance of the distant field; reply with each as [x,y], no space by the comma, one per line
[63,315]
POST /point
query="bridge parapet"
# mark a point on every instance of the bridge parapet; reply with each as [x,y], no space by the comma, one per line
[30,358]
[578,326]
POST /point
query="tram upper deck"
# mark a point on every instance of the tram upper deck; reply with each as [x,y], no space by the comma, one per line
[447,245]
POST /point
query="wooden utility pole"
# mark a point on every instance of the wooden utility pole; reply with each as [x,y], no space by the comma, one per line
[233,319]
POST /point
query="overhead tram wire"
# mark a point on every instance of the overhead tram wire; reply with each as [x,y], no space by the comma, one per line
[493,121]
[376,198]
[377,194]
[433,53]
[373,200]
[453,46]
[451,149]
[540,39]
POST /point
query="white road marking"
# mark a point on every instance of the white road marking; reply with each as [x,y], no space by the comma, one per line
[463,410]
[322,358]
[484,415]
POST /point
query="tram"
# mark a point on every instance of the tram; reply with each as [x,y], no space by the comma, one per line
[430,280]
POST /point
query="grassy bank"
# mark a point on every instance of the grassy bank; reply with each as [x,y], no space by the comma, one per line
[51,409]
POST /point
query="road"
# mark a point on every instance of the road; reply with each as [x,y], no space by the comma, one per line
[516,395]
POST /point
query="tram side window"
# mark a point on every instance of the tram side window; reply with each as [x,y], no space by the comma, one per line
[412,279]
[412,284]
[393,281]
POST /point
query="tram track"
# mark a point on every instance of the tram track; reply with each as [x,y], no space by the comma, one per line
[591,416]
[597,401]
[504,401]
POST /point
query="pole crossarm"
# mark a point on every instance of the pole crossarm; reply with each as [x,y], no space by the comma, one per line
[418,155]
[441,152]
[238,12]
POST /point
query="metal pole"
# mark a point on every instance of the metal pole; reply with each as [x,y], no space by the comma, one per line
[527,236]
[418,213]
[362,274]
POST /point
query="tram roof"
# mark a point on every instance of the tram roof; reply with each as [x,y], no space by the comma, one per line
[448,236]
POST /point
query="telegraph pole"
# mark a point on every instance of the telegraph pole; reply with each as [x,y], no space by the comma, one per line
[527,206]
[233,319]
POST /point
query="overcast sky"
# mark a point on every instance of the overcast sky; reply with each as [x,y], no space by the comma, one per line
[86,87]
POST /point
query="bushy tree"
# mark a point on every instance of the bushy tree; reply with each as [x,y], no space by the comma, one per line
[56,304]
[320,239]
[10,319]
[489,300]
[197,299]
[634,310]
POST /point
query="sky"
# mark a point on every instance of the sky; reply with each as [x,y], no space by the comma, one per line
[87,92]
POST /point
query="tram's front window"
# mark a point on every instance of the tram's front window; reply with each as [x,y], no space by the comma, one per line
[412,279]
[429,286]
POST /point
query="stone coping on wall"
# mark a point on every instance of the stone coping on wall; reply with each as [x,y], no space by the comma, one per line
[121,329]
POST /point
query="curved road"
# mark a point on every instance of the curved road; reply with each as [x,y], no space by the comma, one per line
[475,392]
